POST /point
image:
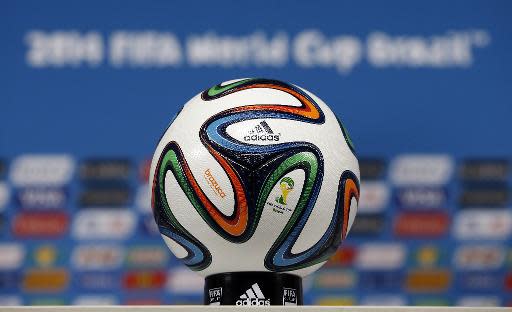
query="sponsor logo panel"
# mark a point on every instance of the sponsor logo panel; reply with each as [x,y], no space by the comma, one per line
[103,224]
[144,280]
[427,256]
[97,281]
[483,224]
[41,198]
[147,256]
[366,225]
[374,197]
[105,170]
[479,257]
[421,224]
[183,281]
[343,257]
[381,281]
[10,300]
[12,256]
[42,170]
[383,300]
[478,301]
[497,196]
[428,281]
[40,224]
[3,168]
[484,170]
[421,169]
[119,196]
[95,300]
[372,168]
[334,279]
[45,280]
[479,281]
[9,281]
[97,257]
[335,301]
[5,194]
[380,256]
[421,198]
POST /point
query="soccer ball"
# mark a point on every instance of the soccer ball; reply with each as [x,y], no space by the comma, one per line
[254,175]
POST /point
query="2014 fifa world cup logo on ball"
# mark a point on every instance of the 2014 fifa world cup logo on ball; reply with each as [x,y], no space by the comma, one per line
[254,184]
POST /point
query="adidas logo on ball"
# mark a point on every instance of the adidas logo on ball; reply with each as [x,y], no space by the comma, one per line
[253,297]
[262,132]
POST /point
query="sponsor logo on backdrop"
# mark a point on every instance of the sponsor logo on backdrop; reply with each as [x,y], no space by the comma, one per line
[428,281]
[380,256]
[479,281]
[484,170]
[421,169]
[421,224]
[368,225]
[144,301]
[508,281]
[97,281]
[41,198]
[214,185]
[40,224]
[478,301]
[42,170]
[3,167]
[45,280]
[374,197]
[47,301]
[483,224]
[215,295]
[308,48]
[334,301]
[253,297]
[9,280]
[334,279]
[119,196]
[97,257]
[144,280]
[5,194]
[427,256]
[95,300]
[381,280]
[484,197]
[430,301]
[147,256]
[45,256]
[421,198]
[383,300]
[12,256]
[104,224]
[479,257]
[343,257]
[371,168]
[105,170]
[184,281]
[10,300]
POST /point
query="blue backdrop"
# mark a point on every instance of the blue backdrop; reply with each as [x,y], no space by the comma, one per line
[101,80]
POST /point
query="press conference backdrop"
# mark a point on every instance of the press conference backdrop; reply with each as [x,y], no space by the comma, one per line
[423,87]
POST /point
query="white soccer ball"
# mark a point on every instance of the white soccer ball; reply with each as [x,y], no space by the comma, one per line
[254,175]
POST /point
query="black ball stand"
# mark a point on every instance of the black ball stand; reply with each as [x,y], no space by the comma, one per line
[253,289]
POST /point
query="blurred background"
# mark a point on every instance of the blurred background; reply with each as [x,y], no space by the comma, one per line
[424,88]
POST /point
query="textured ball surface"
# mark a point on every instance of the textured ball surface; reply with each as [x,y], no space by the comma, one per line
[254,175]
